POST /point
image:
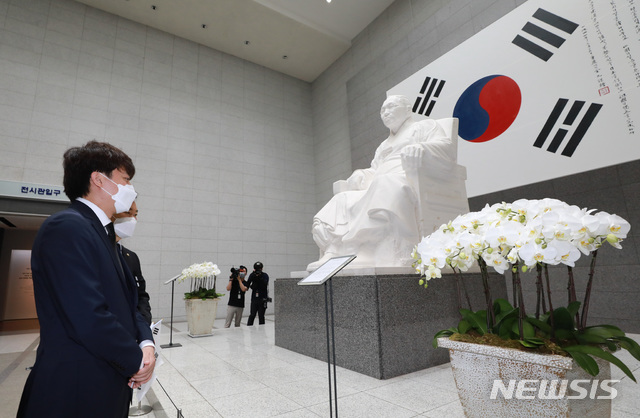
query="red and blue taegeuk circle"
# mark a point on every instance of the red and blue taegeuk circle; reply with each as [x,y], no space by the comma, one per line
[487,108]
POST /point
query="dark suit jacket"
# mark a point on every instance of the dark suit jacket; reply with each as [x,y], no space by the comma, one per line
[133,262]
[89,326]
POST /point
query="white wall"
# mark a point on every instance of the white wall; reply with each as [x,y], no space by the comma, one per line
[223,148]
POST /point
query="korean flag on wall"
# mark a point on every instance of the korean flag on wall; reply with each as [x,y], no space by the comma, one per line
[549,90]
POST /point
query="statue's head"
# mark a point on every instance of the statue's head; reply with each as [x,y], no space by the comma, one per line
[395,111]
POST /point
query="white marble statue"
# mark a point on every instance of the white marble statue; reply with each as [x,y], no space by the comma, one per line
[412,187]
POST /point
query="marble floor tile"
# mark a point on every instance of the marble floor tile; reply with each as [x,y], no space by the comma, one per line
[258,403]
[313,390]
[363,405]
[413,394]
[234,383]
[240,372]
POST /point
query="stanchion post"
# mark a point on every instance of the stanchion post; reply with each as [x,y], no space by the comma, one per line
[171,344]
[140,410]
[320,276]
[326,311]
[333,346]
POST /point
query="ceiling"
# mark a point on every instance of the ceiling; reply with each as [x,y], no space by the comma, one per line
[300,38]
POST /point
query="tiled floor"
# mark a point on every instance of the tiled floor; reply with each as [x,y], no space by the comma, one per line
[239,372]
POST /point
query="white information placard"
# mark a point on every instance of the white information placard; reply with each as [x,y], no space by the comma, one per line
[327,270]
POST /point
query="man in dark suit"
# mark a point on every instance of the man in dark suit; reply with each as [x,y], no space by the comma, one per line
[94,345]
[124,224]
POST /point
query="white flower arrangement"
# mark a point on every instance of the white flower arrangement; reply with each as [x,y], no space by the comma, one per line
[525,232]
[203,280]
[199,271]
[519,236]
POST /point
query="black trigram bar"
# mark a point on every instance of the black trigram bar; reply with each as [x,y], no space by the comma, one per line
[555,21]
[433,87]
[544,35]
[569,120]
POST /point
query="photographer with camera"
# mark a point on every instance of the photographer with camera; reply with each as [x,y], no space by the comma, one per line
[259,283]
[237,286]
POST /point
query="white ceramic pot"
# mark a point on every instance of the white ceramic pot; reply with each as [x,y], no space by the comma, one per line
[201,314]
[476,368]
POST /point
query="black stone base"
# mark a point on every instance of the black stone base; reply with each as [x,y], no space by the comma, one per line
[384,324]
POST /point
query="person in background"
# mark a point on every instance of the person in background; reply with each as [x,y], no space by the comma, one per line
[237,287]
[259,283]
[125,224]
[94,345]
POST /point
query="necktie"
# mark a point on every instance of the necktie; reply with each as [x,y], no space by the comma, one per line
[111,232]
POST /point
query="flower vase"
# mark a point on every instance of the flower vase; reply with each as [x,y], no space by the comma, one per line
[522,383]
[201,314]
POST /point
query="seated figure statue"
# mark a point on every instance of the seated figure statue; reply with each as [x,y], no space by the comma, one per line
[380,213]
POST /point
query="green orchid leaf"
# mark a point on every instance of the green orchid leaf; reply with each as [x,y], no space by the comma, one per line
[586,362]
[442,333]
[504,331]
[463,326]
[614,331]
[611,345]
[527,344]
[630,345]
[507,317]
[527,329]
[535,341]
[597,335]
[531,342]
[540,324]
[563,319]
[599,352]
[501,306]
[477,320]
[506,314]
[564,334]
[573,308]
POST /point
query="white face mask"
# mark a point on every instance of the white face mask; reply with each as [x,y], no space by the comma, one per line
[125,226]
[125,196]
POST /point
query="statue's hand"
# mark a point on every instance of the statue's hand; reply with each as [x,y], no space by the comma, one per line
[357,180]
[412,156]
[340,186]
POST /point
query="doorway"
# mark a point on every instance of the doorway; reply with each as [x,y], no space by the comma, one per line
[20,220]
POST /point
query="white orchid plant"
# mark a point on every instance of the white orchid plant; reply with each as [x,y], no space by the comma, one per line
[203,280]
[523,236]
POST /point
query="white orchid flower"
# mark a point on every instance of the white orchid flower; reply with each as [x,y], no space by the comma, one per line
[504,235]
[618,226]
[567,253]
[532,253]
[496,260]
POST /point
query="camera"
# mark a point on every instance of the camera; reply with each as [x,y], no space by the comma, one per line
[269,299]
[234,272]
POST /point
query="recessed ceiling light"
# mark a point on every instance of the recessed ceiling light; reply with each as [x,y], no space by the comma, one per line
[247,42]
[284,57]
[154,7]
[204,26]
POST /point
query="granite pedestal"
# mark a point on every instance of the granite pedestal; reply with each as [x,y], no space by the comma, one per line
[384,324]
